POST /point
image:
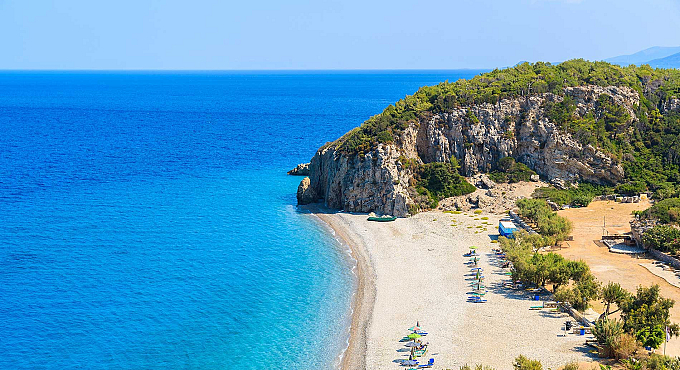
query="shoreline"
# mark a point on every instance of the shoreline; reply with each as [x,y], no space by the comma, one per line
[413,270]
[363,300]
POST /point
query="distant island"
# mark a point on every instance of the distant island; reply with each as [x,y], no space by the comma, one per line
[657,57]
[613,128]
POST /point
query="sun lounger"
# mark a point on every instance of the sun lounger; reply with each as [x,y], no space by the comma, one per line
[427,365]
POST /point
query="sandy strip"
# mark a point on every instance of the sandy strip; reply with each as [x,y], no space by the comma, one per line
[414,269]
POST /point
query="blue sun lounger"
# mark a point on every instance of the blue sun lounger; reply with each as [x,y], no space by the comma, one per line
[428,364]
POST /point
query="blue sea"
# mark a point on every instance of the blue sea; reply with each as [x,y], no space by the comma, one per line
[147,221]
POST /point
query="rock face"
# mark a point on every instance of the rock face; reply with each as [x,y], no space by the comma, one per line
[516,128]
[378,182]
[301,169]
[305,193]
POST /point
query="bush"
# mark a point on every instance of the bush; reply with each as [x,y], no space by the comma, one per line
[548,222]
[652,336]
[607,332]
[632,188]
[661,362]
[579,295]
[666,211]
[664,238]
[646,314]
[571,366]
[625,347]
[576,196]
[523,363]
[439,180]
[509,170]
[477,367]
[665,190]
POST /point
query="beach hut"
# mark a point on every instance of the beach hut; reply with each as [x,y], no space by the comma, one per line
[506,228]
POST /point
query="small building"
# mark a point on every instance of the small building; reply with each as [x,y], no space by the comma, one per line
[506,228]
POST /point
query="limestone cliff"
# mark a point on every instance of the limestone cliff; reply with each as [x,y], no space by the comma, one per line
[520,128]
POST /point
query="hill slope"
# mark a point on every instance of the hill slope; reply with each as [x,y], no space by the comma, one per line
[672,61]
[577,121]
[644,56]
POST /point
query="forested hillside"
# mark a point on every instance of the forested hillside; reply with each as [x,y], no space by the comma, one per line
[646,143]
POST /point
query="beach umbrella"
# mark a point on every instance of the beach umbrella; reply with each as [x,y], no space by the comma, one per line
[410,362]
[414,336]
[414,328]
[473,247]
[411,344]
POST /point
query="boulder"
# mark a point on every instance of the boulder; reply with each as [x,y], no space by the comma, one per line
[483,181]
[305,193]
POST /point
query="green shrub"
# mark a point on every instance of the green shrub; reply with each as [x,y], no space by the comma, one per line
[575,196]
[666,211]
[477,367]
[439,180]
[523,363]
[607,332]
[632,188]
[571,366]
[664,238]
[665,190]
[661,362]
[471,117]
[646,314]
[548,222]
[509,170]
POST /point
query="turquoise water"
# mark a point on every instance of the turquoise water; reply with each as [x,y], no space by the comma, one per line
[147,221]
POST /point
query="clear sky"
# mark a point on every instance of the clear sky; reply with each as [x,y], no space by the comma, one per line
[317,34]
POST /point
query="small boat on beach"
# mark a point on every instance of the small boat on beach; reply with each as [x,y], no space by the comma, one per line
[382,218]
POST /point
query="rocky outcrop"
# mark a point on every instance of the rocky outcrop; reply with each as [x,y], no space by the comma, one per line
[301,169]
[377,182]
[305,193]
[483,181]
[519,128]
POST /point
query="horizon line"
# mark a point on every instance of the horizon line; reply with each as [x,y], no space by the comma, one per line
[242,70]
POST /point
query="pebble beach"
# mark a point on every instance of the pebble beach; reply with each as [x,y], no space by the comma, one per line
[413,269]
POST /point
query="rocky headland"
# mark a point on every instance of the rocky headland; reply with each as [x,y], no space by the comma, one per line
[520,128]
